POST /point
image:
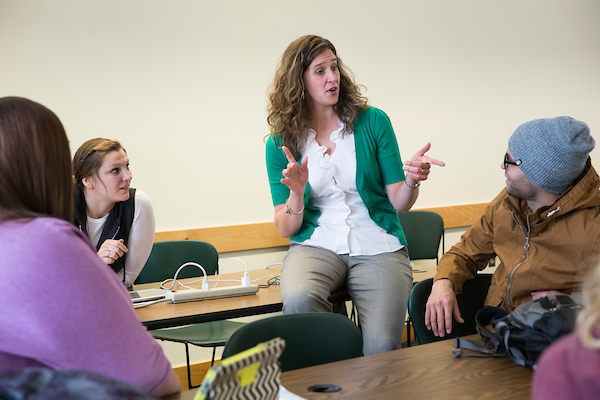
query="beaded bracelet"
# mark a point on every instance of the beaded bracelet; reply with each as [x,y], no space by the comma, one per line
[288,210]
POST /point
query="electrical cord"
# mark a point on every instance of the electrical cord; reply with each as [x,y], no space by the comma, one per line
[205,285]
[222,269]
[273,279]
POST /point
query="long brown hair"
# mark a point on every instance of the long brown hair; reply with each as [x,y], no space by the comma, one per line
[89,156]
[35,162]
[287,113]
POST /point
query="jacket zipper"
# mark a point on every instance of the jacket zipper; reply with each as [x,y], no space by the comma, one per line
[526,247]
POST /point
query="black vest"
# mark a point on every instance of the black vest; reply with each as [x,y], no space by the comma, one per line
[117,225]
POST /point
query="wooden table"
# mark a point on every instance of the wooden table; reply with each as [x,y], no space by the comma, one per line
[267,300]
[420,273]
[165,314]
[427,371]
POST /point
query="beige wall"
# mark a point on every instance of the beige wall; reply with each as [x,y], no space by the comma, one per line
[182,85]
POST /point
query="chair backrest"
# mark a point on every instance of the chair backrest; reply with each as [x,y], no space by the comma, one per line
[310,338]
[423,230]
[470,300]
[166,257]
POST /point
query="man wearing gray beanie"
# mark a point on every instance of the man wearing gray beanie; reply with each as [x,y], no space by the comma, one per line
[544,226]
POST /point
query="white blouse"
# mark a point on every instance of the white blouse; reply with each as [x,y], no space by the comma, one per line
[141,236]
[344,225]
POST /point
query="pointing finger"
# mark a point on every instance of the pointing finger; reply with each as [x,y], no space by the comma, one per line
[423,150]
[433,161]
[288,154]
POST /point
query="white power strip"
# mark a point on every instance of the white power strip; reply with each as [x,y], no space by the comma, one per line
[196,295]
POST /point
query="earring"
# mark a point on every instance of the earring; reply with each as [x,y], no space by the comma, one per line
[302,94]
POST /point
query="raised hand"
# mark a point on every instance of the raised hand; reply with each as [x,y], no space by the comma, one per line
[418,167]
[295,176]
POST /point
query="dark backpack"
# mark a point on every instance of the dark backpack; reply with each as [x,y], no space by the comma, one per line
[48,384]
[526,332]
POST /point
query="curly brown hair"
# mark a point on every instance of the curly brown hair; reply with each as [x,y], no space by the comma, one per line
[287,113]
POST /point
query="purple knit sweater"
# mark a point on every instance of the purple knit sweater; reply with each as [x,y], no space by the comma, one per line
[63,308]
[567,370]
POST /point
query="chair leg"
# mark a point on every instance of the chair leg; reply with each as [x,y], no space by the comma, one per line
[355,313]
[189,373]
[340,308]
[213,357]
[408,339]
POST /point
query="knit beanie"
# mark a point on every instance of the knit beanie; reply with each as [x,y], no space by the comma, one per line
[552,151]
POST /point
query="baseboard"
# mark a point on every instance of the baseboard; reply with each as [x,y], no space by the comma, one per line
[405,333]
[197,371]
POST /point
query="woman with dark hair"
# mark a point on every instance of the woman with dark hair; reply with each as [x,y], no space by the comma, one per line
[62,308]
[342,217]
[118,219]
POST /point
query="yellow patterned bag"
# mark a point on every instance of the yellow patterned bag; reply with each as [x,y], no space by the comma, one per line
[251,374]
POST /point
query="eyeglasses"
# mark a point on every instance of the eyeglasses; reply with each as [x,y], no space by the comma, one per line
[508,162]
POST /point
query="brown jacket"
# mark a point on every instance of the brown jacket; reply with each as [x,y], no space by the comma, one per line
[549,249]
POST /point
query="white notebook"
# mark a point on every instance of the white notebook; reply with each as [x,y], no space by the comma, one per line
[138,296]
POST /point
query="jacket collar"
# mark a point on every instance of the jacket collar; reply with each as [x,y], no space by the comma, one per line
[583,193]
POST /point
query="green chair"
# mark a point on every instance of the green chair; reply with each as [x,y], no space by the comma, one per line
[470,300]
[424,230]
[165,258]
[310,338]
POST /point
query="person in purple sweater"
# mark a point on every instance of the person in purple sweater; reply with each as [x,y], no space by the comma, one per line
[62,307]
[570,367]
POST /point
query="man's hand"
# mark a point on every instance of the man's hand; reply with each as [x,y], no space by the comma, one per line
[545,293]
[441,307]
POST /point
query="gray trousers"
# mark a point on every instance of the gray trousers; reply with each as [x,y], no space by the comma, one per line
[379,286]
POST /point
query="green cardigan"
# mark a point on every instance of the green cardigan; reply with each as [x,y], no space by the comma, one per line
[378,164]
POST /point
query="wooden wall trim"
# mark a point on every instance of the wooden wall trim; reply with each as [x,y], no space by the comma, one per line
[265,235]
[231,238]
[460,216]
